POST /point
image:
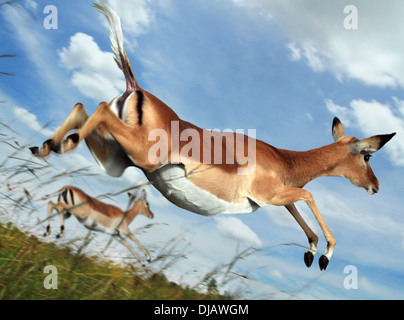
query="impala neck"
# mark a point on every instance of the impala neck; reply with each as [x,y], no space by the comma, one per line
[302,167]
[132,212]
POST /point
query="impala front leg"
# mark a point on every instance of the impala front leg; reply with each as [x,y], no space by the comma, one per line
[311,236]
[133,238]
[288,196]
[127,245]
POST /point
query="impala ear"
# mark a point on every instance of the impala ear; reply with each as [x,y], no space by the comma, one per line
[337,129]
[132,195]
[372,144]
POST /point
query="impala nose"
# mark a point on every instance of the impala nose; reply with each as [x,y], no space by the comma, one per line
[375,190]
[372,191]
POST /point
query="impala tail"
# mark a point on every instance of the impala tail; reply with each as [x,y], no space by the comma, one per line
[118,49]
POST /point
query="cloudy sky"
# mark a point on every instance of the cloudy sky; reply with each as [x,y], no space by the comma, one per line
[284,68]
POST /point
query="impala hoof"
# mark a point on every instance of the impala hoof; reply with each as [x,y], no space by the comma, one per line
[74,137]
[308,258]
[323,262]
[51,145]
[34,150]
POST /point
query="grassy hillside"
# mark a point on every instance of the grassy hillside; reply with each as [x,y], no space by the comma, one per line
[24,257]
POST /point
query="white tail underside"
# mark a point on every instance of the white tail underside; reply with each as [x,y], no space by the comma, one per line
[115,31]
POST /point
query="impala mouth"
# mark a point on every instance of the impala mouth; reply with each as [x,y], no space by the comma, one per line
[372,191]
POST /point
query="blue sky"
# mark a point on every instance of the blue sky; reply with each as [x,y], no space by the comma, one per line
[277,66]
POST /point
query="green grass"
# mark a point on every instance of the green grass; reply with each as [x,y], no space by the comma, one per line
[23,258]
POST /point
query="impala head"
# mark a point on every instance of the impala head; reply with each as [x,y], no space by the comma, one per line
[141,203]
[358,152]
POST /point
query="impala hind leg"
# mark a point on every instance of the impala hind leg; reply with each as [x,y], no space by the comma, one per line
[130,138]
[74,121]
[290,195]
[51,206]
[61,208]
[98,119]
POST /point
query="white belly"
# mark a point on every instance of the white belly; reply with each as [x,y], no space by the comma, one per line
[171,181]
[93,225]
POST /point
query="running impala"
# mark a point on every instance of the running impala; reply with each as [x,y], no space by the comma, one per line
[99,216]
[202,177]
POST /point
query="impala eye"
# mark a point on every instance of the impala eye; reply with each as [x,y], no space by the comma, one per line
[367,157]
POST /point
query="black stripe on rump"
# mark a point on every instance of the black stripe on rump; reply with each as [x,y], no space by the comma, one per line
[139,106]
[64,195]
[71,196]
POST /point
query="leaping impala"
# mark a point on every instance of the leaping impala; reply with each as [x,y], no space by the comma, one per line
[99,216]
[207,180]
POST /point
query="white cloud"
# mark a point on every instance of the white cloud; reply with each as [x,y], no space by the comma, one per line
[30,120]
[313,57]
[235,229]
[295,52]
[276,274]
[31,4]
[384,290]
[373,118]
[372,53]
[95,73]
[309,116]
[343,113]
[136,17]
